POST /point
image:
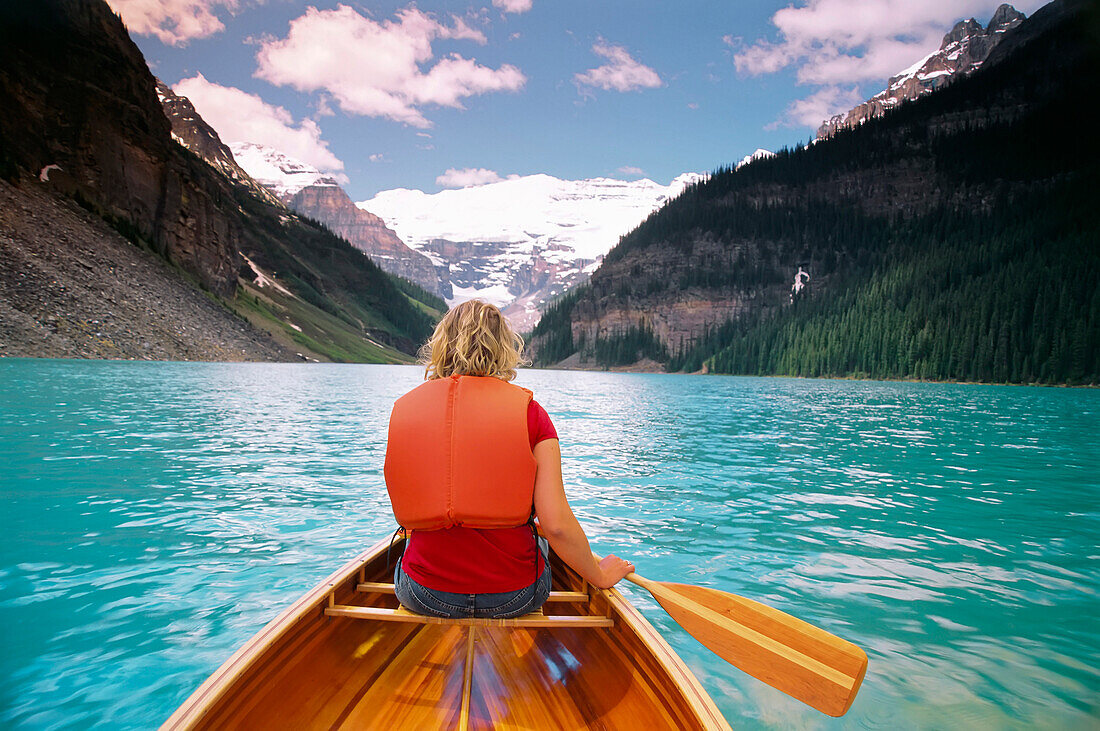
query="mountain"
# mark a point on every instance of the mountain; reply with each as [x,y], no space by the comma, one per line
[522,241]
[191,131]
[963,50]
[312,193]
[759,154]
[954,237]
[81,125]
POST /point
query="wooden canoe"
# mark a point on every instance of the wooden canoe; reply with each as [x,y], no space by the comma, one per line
[346,655]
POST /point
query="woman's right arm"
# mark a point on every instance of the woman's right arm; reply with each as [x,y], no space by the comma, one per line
[560,526]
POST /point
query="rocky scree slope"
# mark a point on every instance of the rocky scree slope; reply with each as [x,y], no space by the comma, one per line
[71,286]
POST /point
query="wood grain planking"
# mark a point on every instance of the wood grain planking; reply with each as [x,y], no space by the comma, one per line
[651,645]
[312,671]
[467,679]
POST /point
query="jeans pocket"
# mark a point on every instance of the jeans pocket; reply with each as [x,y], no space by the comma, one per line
[524,601]
[419,599]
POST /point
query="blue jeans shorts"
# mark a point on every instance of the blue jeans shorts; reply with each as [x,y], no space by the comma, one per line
[422,600]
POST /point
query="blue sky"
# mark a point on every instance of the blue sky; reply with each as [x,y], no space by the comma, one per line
[436,94]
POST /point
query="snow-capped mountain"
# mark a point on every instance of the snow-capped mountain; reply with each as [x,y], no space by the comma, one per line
[280,173]
[963,50]
[759,154]
[519,242]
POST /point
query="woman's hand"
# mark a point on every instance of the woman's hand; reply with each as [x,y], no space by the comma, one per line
[612,569]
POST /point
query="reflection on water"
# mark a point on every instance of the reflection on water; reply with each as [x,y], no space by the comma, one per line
[155,515]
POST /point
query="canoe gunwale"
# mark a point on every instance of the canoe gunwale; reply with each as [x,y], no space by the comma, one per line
[311,607]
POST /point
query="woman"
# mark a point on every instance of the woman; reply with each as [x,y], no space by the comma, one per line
[472,461]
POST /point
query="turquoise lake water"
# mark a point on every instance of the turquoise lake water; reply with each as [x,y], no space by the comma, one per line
[155,515]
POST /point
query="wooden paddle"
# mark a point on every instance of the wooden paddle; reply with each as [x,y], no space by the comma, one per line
[803,661]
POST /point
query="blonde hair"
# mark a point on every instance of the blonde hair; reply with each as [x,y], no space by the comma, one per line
[473,339]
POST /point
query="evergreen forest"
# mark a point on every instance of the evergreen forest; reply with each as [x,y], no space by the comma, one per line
[955,238]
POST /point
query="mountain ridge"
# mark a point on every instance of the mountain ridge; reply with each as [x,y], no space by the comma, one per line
[963,50]
[974,186]
[320,196]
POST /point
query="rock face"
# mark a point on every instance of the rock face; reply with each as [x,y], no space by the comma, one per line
[518,243]
[99,122]
[192,131]
[518,278]
[330,205]
[963,50]
[312,193]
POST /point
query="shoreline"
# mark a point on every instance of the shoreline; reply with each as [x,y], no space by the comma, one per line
[621,370]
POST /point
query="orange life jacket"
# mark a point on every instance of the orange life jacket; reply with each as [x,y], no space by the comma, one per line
[459,454]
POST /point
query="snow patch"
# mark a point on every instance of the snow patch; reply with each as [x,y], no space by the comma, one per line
[759,154]
[581,218]
[800,280]
[44,174]
[262,280]
[496,294]
[280,173]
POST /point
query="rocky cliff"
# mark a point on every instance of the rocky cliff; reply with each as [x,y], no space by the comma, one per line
[330,205]
[78,103]
[191,130]
[963,50]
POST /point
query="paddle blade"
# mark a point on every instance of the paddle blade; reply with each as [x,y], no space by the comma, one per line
[805,662]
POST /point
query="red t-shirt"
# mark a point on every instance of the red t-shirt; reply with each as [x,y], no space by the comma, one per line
[480,560]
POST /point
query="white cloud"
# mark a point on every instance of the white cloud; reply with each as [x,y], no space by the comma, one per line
[466,177]
[631,170]
[174,22]
[847,41]
[819,106]
[513,6]
[377,157]
[242,117]
[381,69]
[622,73]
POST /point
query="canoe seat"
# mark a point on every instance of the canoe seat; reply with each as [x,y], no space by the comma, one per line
[535,619]
[378,587]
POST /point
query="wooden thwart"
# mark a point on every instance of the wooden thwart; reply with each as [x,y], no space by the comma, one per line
[379,587]
[528,620]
